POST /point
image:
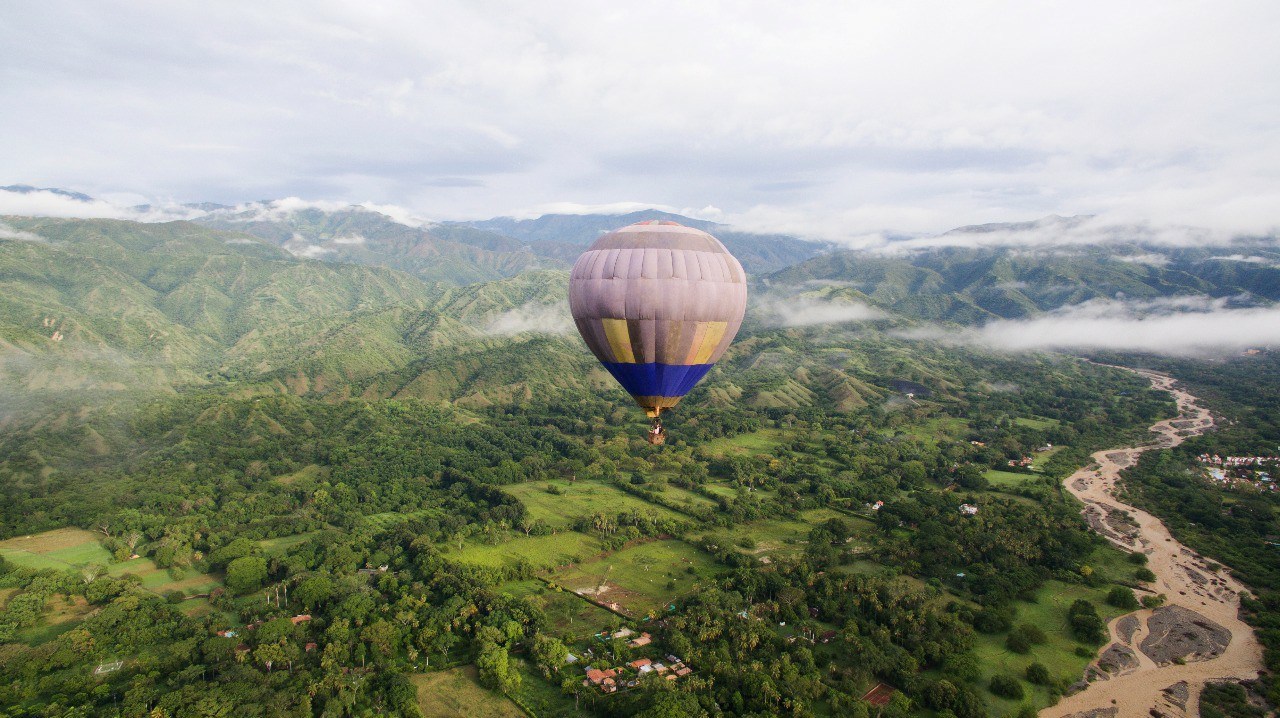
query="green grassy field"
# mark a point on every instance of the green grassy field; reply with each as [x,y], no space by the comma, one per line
[456,693]
[281,544]
[1043,456]
[61,549]
[1035,422]
[764,441]
[682,497]
[778,537]
[1008,479]
[307,472]
[160,580]
[543,552]
[641,579]
[1049,612]
[579,498]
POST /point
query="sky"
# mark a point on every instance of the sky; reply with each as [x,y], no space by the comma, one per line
[827,119]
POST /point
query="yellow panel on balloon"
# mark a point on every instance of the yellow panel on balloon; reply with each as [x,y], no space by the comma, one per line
[619,336]
[710,340]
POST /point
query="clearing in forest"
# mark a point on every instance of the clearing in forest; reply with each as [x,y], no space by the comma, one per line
[456,693]
[764,441]
[542,552]
[576,499]
[160,580]
[642,579]
[62,549]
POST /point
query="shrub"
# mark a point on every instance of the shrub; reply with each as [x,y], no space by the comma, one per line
[1006,686]
[1144,574]
[1038,674]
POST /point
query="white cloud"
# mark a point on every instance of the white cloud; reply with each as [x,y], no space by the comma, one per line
[533,317]
[804,311]
[1180,326]
[837,120]
[51,204]
[350,239]
[1155,260]
[1252,259]
[8,232]
[310,251]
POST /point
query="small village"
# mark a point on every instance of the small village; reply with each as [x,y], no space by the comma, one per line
[1246,473]
[629,675]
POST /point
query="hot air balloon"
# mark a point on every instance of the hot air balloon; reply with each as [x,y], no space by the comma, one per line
[657,303]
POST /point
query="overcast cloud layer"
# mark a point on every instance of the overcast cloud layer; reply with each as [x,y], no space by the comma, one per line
[835,119]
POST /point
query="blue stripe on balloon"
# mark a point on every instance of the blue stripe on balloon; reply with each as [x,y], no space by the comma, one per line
[654,379]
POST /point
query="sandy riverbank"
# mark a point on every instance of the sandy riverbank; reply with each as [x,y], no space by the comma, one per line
[1136,672]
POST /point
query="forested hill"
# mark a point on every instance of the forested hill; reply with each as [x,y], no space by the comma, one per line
[972,285]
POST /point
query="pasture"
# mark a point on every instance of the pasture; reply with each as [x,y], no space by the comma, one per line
[764,441]
[281,544]
[1008,479]
[160,580]
[1049,612]
[570,617]
[580,498]
[457,693]
[781,537]
[61,549]
[543,552]
[642,579]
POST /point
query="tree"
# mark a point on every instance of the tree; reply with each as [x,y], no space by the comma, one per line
[549,652]
[1122,597]
[1085,623]
[494,665]
[246,574]
[1006,686]
[314,590]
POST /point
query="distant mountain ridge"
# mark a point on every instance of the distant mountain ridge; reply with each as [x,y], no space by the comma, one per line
[566,235]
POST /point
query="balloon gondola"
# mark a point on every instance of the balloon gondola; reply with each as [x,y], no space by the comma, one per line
[658,303]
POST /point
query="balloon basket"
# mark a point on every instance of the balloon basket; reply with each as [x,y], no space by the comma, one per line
[656,434]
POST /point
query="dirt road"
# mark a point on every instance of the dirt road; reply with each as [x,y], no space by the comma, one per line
[1139,673]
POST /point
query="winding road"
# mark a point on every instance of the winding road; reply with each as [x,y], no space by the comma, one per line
[1157,662]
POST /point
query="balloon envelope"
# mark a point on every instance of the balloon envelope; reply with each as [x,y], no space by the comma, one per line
[658,303]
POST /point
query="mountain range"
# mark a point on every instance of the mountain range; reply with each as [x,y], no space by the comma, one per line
[351,302]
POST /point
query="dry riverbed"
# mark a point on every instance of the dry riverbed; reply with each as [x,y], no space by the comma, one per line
[1157,662]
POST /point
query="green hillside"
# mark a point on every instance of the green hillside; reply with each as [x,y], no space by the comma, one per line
[970,286]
